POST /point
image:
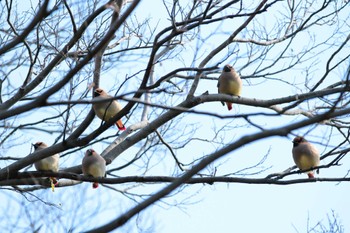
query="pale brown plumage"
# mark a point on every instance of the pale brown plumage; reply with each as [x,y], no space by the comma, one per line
[107,110]
[305,155]
[94,165]
[229,83]
[48,164]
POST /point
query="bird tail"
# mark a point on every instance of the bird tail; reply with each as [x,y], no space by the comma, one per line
[120,125]
[95,185]
[229,106]
[310,175]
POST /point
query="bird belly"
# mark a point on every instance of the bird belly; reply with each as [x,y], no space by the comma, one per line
[232,88]
[95,170]
[105,113]
[47,164]
[305,162]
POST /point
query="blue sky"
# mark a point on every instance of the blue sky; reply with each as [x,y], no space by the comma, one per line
[218,207]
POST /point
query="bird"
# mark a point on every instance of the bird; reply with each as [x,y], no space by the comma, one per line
[107,110]
[94,165]
[305,155]
[47,164]
[229,83]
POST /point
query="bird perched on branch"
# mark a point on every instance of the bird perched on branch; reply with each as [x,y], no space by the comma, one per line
[107,110]
[94,165]
[48,164]
[305,155]
[229,83]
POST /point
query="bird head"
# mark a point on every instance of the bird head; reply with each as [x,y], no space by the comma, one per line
[39,144]
[90,152]
[98,92]
[227,68]
[297,140]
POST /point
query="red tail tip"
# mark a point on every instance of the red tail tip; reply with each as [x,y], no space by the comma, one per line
[122,128]
[310,175]
[95,185]
[229,106]
[120,125]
